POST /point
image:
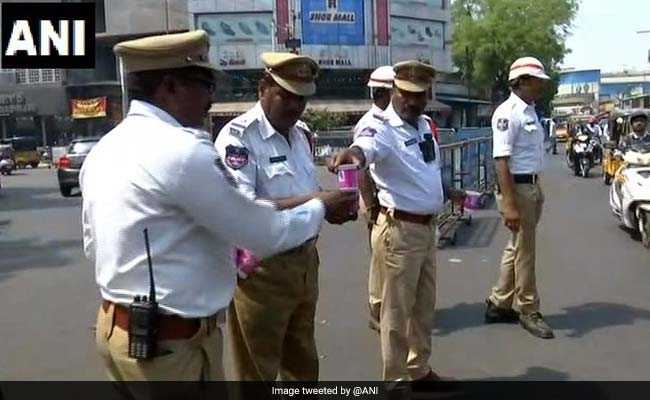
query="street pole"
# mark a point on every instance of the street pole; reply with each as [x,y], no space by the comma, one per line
[43,131]
[166,16]
[125,95]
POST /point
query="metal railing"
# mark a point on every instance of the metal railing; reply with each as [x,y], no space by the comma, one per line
[466,163]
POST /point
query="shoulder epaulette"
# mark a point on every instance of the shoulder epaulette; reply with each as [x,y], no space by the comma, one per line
[379,117]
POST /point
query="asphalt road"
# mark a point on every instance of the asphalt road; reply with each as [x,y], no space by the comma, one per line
[593,280]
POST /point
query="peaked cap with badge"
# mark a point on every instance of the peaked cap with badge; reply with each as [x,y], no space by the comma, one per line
[295,73]
[413,76]
[176,50]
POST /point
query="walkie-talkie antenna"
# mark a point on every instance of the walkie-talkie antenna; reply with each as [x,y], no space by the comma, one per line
[152,286]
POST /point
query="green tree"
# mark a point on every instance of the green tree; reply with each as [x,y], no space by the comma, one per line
[490,34]
[322,120]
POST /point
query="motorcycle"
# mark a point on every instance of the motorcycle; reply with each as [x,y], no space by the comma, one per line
[581,156]
[629,195]
[6,166]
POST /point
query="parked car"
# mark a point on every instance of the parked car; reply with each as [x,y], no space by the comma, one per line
[70,164]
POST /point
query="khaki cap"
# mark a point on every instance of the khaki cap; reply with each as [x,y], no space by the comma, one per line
[177,50]
[292,72]
[413,76]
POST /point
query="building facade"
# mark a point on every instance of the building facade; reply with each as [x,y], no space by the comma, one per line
[347,38]
[578,92]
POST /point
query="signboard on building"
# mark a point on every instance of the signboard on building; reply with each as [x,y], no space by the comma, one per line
[237,40]
[15,103]
[422,40]
[579,83]
[401,7]
[414,32]
[333,22]
[88,108]
[238,28]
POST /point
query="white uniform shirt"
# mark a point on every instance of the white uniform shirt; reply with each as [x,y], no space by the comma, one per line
[151,173]
[367,119]
[264,164]
[404,181]
[518,134]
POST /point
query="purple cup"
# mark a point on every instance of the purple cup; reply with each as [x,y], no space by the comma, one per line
[348,179]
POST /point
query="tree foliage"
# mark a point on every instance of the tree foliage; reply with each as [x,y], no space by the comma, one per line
[322,120]
[490,34]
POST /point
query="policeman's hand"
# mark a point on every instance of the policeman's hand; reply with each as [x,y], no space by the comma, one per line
[511,218]
[347,156]
[338,204]
[457,195]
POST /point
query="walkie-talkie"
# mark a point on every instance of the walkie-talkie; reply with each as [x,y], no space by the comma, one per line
[428,148]
[143,318]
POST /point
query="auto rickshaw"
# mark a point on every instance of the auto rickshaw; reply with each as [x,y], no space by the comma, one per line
[619,127]
[26,152]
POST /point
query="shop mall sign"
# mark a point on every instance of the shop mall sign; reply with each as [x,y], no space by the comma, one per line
[332,15]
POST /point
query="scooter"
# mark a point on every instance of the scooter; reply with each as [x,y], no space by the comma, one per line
[6,166]
[629,195]
[582,157]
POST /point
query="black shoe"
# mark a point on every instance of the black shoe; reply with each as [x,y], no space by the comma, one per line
[494,314]
[535,324]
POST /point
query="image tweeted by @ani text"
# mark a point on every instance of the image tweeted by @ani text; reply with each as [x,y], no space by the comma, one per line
[333,391]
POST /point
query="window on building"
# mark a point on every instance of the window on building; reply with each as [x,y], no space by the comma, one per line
[21,76]
[33,76]
[47,75]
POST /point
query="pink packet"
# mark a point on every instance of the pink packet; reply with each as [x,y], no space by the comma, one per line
[245,262]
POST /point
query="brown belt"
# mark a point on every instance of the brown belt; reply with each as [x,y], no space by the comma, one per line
[408,217]
[170,327]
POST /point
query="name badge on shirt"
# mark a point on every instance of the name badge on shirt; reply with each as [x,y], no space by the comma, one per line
[410,142]
[277,159]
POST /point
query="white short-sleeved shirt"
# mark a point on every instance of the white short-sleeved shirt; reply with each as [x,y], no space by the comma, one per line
[150,172]
[404,181]
[517,134]
[367,119]
[262,161]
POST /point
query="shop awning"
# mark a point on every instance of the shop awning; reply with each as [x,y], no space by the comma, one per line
[454,99]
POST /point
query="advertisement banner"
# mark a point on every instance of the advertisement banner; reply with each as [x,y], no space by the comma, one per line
[333,22]
[579,82]
[239,28]
[415,32]
[88,108]
[409,7]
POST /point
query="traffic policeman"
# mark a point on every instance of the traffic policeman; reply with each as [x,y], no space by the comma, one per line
[381,86]
[174,184]
[406,171]
[518,150]
[268,151]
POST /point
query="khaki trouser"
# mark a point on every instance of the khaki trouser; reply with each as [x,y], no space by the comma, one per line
[405,254]
[517,276]
[271,320]
[198,358]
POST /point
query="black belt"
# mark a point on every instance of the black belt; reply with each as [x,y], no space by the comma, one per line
[525,178]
